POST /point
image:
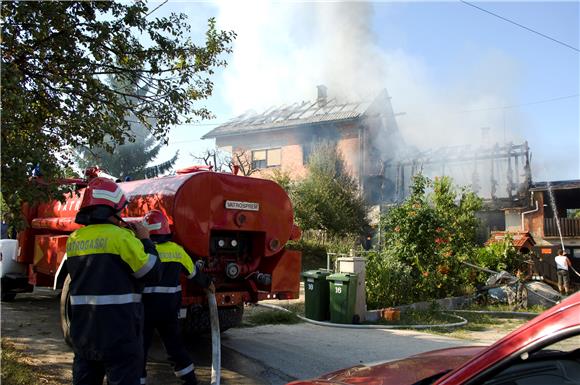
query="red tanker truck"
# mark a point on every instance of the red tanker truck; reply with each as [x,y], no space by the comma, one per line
[235,227]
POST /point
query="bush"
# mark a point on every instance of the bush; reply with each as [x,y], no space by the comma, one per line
[313,254]
[388,281]
[328,198]
[432,233]
[499,256]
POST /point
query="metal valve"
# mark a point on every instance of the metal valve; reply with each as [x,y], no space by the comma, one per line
[232,270]
[264,279]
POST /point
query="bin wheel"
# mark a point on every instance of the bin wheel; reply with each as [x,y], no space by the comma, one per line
[65,311]
[7,297]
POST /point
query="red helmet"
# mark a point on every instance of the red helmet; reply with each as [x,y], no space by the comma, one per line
[104,192]
[157,223]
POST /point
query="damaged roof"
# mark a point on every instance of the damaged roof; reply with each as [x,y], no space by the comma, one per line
[280,117]
[556,185]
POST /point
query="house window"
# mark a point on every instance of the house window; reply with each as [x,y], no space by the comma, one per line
[271,157]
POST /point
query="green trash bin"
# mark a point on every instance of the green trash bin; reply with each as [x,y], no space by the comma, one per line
[342,297]
[316,294]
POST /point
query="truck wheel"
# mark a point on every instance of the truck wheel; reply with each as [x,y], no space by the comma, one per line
[8,296]
[65,311]
[197,321]
[229,317]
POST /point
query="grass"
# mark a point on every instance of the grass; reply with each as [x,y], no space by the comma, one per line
[14,370]
[507,308]
[477,322]
[418,317]
[257,316]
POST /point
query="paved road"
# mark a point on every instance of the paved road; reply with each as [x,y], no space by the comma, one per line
[304,350]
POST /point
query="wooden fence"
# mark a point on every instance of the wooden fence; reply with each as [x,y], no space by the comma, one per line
[570,227]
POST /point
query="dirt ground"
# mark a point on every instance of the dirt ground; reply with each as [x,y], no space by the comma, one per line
[31,324]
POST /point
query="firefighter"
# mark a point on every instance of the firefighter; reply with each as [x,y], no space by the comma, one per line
[163,301]
[108,266]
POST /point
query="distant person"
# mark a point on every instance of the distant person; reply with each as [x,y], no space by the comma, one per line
[8,230]
[4,234]
[163,301]
[562,265]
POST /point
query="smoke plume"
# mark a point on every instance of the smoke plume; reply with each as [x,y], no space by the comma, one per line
[284,50]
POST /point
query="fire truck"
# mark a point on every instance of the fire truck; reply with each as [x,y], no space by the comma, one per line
[234,227]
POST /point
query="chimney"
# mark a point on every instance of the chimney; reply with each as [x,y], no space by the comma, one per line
[322,96]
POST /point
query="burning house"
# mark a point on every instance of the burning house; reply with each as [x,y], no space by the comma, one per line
[500,174]
[365,132]
[368,136]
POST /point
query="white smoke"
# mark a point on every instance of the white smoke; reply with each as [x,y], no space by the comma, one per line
[283,50]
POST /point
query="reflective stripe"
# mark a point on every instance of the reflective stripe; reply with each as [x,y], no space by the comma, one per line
[143,380]
[184,371]
[146,267]
[152,226]
[113,196]
[162,289]
[114,299]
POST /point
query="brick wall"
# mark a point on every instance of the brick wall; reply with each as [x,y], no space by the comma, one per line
[350,151]
[291,160]
[291,144]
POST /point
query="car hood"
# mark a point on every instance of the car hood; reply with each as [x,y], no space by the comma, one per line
[407,371]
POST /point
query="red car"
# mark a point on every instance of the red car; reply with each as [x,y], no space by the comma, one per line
[544,351]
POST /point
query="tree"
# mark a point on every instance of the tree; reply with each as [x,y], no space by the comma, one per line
[56,57]
[329,198]
[130,159]
[433,232]
[243,160]
[225,161]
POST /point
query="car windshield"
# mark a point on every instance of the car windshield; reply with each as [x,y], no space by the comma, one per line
[554,364]
[566,345]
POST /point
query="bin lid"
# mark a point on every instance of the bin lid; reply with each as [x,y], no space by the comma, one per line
[315,273]
[345,277]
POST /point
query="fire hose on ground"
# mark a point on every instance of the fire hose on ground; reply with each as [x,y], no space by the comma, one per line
[462,322]
[215,339]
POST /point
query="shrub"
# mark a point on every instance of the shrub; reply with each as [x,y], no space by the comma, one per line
[499,256]
[328,198]
[432,233]
[389,282]
[313,254]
